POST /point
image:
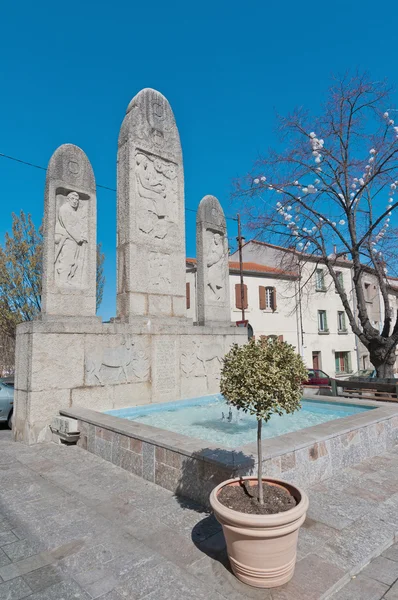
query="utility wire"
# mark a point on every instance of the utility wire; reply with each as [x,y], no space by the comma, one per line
[104,187]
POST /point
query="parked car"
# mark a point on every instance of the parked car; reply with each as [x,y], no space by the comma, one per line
[6,401]
[317,377]
[363,373]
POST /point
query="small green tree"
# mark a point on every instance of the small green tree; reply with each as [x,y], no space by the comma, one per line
[263,378]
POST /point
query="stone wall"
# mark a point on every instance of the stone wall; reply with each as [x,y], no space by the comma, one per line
[102,366]
[192,468]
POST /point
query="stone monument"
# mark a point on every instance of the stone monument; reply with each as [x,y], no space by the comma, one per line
[150,211]
[70,229]
[151,352]
[212,262]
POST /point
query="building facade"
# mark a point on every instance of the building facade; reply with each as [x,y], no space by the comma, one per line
[292,296]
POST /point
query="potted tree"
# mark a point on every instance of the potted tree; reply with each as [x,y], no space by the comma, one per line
[261,522]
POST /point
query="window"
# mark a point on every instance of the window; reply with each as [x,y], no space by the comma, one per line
[341,326]
[239,296]
[267,298]
[319,280]
[322,322]
[343,362]
[188,294]
[340,279]
[367,292]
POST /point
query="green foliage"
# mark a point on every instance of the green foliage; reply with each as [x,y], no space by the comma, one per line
[263,378]
[20,274]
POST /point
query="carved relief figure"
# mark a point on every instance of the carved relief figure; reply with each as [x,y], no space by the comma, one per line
[216,267]
[70,239]
[157,186]
[118,359]
[202,358]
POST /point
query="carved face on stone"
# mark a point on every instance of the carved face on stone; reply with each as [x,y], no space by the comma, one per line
[73,199]
[217,239]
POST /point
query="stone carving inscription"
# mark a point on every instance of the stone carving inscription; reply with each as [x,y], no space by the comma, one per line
[165,359]
[157,187]
[127,362]
[159,272]
[71,238]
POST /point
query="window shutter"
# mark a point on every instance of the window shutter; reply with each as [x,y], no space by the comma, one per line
[273,299]
[280,338]
[261,293]
[188,294]
[238,296]
[326,321]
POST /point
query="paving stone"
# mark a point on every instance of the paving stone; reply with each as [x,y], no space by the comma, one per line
[391,552]
[4,560]
[312,535]
[7,537]
[337,509]
[145,580]
[361,588]
[27,565]
[43,578]
[218,576]
[14,590]
[383,570]
[313,577]
[65,590]
[173,546]
[392,593]
[23,549]
[353,547]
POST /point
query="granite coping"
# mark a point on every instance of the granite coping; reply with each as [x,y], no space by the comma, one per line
[242,455]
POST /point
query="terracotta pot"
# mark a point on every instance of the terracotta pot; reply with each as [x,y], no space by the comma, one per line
[261,548]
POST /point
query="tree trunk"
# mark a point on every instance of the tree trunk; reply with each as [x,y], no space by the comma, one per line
[260,463]
[382,358]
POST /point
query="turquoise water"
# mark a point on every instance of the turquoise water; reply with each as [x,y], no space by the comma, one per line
[209,418]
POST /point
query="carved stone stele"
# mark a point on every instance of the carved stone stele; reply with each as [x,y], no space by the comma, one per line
[212,262]
[70,240]
[150,211]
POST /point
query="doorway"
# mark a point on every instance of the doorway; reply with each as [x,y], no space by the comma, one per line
[316,360]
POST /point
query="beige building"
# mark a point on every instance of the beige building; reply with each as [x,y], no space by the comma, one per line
[292,296]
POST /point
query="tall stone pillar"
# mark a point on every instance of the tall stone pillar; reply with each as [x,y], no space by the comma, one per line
[150,211]
[70,236]
[212,263]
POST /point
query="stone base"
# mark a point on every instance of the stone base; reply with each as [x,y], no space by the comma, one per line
[101,366]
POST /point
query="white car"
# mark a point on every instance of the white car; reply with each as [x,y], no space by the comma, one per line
[6,402]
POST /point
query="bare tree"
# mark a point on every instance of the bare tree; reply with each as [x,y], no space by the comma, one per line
[330,194]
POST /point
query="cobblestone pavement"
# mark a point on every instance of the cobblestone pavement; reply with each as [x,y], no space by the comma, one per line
[73,526]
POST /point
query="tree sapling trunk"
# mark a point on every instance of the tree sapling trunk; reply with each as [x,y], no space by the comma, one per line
[260,463]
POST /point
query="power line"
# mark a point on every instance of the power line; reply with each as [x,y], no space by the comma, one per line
[104,187]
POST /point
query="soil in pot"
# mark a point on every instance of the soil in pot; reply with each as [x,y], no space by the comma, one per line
[244,498]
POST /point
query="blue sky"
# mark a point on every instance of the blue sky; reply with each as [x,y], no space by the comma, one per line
[68,71]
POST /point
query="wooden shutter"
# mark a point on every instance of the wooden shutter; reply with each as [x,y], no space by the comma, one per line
[238,296]
[273,299]
[188,294]
[261,294]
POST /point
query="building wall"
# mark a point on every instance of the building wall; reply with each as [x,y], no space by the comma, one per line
[332,341]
